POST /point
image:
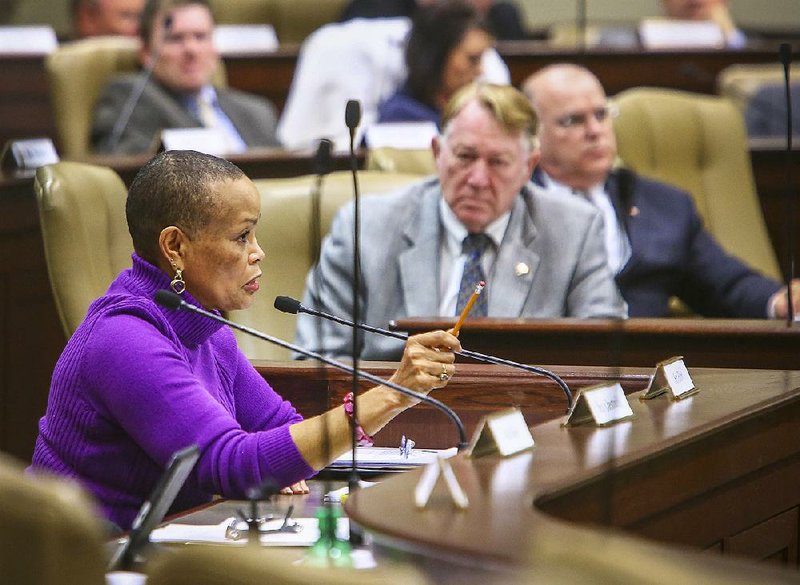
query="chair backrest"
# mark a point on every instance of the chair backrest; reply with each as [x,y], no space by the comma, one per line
[417,161]
[284,233]
[251,566]
[49,532]
[698,143]
[741,81]
[293,20]
[78,73]
[85,234]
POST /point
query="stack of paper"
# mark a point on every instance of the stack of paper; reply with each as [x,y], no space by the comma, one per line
[389,458]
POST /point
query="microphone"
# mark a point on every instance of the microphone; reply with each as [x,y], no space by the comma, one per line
[170,300]
[322,165]
[290,305]
[785,55]
[136,93]
[352,118]
[580,25]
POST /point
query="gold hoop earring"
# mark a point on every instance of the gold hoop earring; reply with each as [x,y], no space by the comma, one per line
[177,284]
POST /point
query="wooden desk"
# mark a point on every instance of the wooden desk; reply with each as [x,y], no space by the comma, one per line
[25,93]
[475,391]
[260,163]
[729,343]
[718,471]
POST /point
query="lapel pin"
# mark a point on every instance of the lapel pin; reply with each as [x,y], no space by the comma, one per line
[634,211]
[521,269]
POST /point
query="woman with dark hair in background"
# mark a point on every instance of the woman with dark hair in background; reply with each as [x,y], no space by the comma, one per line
[442,55]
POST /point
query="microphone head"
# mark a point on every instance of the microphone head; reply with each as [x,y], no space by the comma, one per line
[352,114]
[785,53]
[322,158]
[286,304]
[168,299]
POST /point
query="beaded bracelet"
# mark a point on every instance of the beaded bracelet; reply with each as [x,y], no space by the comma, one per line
[362,438]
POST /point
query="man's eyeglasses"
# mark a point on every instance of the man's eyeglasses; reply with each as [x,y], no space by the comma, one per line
[607,112]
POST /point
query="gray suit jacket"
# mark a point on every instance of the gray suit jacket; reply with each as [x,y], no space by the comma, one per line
[559,239]
[253,116]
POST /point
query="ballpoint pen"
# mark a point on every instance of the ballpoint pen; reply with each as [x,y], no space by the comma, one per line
[468,307]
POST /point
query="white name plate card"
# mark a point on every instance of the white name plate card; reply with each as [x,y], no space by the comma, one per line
[29,154]
[661,33]
[238,39]
[206,140]
[600,405]
[671,376]
[429,478]
[504,433]
[28,40]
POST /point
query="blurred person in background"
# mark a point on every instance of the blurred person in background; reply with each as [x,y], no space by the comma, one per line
[92,18]
[443,54]
[180,93]
[716,11]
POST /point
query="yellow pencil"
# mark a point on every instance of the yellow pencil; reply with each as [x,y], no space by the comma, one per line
[468,307]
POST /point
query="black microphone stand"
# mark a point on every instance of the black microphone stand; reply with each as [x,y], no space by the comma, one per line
[785,53]
[328,548]
[352,117]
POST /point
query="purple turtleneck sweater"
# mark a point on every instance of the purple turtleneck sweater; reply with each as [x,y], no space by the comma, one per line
[137,382]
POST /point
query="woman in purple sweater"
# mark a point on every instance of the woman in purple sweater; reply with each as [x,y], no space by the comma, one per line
[137,382]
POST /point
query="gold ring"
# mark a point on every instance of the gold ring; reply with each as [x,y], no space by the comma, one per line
[444,376]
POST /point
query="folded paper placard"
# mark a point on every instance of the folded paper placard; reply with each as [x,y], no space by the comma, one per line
[427,481]
[206,140]
[29,154]
[602,404]
[503,433]
[671,376]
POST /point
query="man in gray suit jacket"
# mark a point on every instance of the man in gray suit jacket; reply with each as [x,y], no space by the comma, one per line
[180,94]
[545,256]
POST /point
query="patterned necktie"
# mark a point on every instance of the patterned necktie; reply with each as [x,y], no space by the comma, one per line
[473,247]
[206,113]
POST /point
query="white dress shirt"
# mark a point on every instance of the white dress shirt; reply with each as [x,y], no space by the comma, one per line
[618,246]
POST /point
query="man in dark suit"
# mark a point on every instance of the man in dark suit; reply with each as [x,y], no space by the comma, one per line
[180,93]
[655,240]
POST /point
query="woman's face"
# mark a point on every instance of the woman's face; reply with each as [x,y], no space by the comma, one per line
[464,62]
[220,261]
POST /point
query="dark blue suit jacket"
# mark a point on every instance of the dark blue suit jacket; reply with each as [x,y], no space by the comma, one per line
[672,254]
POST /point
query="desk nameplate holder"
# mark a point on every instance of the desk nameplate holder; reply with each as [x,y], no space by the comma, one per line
[28,154]
[429,478]
[501,433]
[672,377]
[600,405]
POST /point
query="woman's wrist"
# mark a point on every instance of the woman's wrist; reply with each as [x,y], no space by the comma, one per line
[362,438]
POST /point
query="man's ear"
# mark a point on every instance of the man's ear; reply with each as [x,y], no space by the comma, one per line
[436,146]
[534,157]
[145,55]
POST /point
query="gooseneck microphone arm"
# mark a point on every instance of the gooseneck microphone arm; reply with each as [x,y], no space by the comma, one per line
[171,300]
[290,305]
[322,166]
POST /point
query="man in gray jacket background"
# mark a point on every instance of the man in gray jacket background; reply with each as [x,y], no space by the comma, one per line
[424,247]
